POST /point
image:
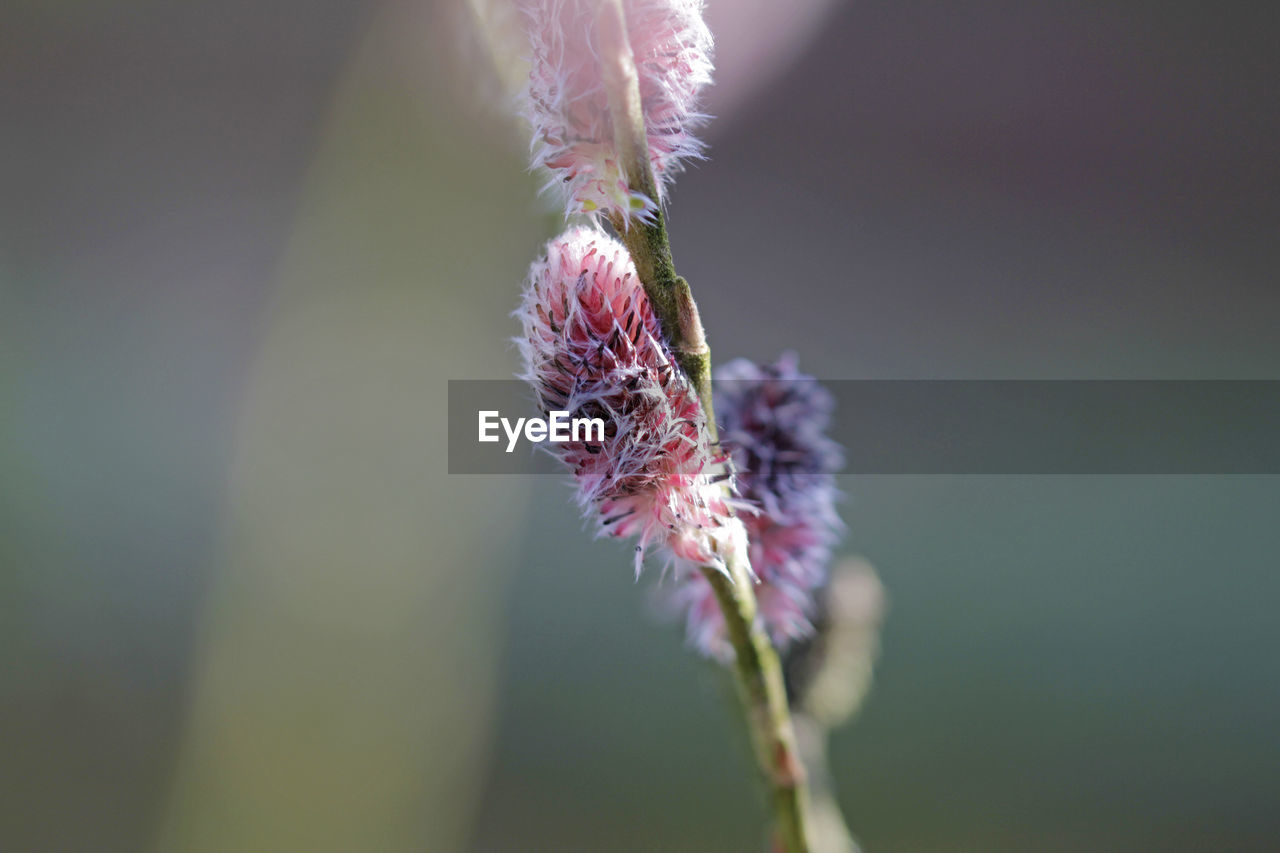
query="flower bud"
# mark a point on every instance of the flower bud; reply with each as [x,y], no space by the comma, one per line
[592,347]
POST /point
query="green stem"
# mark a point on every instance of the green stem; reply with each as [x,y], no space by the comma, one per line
[757,670]
[758,674]
[672,302]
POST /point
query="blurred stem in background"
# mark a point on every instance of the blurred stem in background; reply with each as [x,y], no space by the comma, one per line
[828,678]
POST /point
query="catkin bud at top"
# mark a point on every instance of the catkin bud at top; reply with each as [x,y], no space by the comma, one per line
[567,103]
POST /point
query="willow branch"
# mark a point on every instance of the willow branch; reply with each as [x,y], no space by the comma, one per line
[758,673]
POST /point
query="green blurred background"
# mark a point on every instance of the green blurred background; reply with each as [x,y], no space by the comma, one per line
[244,246]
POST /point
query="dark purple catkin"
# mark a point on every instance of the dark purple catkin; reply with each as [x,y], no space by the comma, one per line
[773,426]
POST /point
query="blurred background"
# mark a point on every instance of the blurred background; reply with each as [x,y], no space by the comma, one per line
[244,245]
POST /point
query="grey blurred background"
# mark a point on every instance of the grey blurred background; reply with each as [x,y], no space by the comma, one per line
[243,246]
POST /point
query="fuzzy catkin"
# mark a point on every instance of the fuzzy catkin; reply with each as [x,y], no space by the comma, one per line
[592,347]
[567,105]
[773,425]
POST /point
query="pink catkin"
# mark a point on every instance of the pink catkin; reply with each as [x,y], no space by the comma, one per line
[568,107]
[592,347]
